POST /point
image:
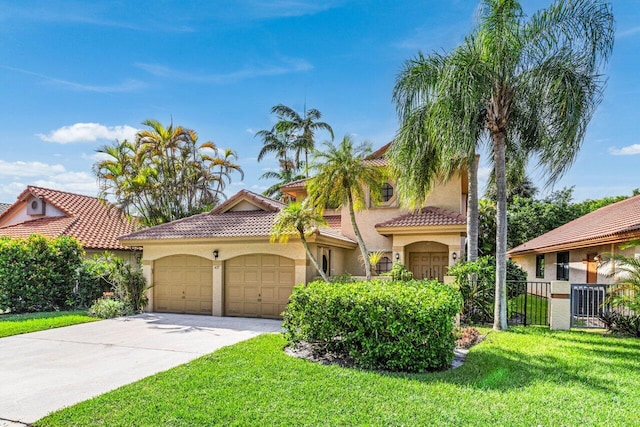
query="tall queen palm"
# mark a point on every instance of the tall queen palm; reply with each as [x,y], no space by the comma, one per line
[527,86]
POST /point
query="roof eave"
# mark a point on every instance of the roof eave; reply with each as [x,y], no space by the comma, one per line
[578,244]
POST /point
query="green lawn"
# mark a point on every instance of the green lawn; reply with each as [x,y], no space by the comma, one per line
[537,308]
[529,376]
[14,324]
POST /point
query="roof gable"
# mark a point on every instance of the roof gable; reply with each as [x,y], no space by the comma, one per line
[608,222]
[245,200]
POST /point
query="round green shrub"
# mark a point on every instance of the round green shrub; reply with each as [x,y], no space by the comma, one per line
[394,326]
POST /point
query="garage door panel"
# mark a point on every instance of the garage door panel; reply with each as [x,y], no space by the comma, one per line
[266,282]
[183,284]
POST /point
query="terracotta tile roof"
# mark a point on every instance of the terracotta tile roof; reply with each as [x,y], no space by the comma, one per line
[380,152]
[334,221]
[264,202]
[4,207]
[95,224]
[428,216]
[300,183]
[376,162]
[218,225]
[608,222]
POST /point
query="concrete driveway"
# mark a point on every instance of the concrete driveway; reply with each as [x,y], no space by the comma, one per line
[44,371]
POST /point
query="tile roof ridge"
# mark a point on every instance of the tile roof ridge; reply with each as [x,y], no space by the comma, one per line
[263,201]
[30,187]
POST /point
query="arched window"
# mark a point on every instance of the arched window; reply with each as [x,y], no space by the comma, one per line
[384,265]
[387,192]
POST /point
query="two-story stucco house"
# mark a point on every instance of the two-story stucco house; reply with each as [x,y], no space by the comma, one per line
[222,263]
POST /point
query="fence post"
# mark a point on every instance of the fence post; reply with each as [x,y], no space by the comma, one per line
[560,306]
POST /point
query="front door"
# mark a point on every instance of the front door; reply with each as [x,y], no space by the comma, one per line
[428,265]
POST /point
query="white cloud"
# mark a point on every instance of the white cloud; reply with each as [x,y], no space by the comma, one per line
[629,150]
[629,32]
[29,169]
[287,65]
[124,87]
[88,132]
[15,176]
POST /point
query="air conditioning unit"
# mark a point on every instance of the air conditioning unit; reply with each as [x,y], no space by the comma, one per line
[35,206]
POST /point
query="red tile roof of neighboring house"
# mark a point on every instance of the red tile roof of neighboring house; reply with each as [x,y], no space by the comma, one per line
[608,224]
[95,224]
[227,224]
[428,216]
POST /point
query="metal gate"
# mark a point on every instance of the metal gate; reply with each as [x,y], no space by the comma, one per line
[587,304]
[528,303]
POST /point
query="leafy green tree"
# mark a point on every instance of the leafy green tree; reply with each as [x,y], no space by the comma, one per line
[298,219]
[342,178]
[164,174]
[535,84]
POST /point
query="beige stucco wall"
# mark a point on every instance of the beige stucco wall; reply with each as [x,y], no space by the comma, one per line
[20,214]
[577,268]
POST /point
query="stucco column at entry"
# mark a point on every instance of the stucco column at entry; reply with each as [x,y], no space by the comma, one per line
[300,271]
[218,288]
[147,273]
[456,250]
[400,251]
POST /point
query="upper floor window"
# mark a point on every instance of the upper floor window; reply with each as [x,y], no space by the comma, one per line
[562,265]
[387,192]
[540,266]
[384,265]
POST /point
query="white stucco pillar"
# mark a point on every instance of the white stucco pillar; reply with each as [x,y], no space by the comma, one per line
[400,251]
[147,272]
[560,306]
[218,288]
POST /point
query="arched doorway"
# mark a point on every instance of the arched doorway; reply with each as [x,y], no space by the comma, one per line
[428,260]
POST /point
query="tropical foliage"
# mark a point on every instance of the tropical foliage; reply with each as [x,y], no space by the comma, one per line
[342,178]
[298,220]
[165,174]
[291,140]
[530,86]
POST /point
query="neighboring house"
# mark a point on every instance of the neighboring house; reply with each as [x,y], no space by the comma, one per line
[222,262]
[4,206]
[574,251]
[52,213]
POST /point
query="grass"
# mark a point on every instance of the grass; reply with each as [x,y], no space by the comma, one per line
[537,308]
[528,376]
[15,324]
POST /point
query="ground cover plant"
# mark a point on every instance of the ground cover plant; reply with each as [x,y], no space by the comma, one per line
[527,376]
[14,324]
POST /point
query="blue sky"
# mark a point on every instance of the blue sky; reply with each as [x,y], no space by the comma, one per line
[77,75]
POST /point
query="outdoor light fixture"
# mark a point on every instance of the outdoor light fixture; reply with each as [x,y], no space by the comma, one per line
[215,254]
[397,256]
[454,256]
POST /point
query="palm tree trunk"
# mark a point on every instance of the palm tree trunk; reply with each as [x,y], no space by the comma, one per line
[472,211]
[313,259]
[500,309]
[356,230]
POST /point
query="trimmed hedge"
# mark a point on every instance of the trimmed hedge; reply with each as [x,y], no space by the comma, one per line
[394,326]
[38,273]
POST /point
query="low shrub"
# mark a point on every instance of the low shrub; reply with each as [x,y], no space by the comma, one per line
[618,323]
[107,308]
[395,326]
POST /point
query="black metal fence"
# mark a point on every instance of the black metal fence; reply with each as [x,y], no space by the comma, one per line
[527,303]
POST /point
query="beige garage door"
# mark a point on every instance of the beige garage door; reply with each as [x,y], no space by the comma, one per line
[258,285]
[183,284]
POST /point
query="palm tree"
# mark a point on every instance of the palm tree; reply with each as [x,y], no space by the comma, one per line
[164,175]
[534,84]
[342,178]
[297,219]
[303,129]
[626,271]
